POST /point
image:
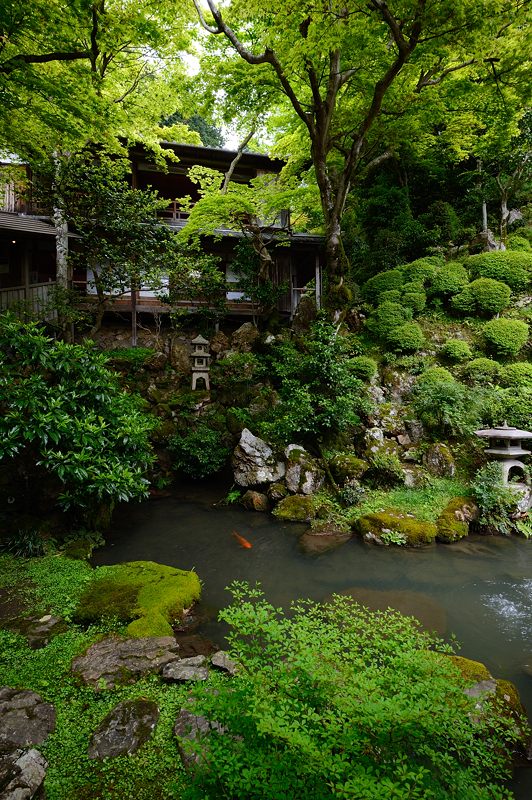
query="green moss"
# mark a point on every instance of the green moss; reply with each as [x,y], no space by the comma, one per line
[453,523]
[415,532]
[471,671]
[345,466]
[296,508]
[148,595]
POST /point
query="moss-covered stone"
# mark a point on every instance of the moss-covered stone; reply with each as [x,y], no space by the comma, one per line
[346,467]
[471,671]
[453,522]
[296,508]
[149,596]
[394,527]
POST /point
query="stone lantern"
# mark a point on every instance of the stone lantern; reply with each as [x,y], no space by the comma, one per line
[504,445]
[201,362]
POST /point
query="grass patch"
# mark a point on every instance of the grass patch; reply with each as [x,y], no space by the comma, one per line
[426,503]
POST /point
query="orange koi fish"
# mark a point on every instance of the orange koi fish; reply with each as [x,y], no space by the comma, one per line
[241,541]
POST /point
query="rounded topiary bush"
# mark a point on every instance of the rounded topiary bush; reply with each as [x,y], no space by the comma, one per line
[384,281]
[387,317]
[451,279]
[415,300]
[517,375]
[482,370]
[390,296]
[456,350]
[423,269]
[505,337]
[484,296]
[363,367]
[517,242]
[511,267]
[406,338]
[435,375]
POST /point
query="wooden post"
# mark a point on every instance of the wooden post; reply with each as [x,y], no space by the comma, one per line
[318,282]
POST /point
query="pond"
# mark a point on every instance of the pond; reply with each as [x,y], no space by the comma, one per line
[479,589]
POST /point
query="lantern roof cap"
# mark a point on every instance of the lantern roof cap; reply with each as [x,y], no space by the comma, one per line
[504,431]
[200,340]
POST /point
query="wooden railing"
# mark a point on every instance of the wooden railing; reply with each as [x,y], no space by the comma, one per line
[35,297]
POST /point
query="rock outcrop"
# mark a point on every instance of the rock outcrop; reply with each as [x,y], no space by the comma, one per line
[254,462]
[125,729]
[303,473]
[113,661]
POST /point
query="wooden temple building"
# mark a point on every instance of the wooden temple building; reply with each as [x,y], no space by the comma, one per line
[28,237]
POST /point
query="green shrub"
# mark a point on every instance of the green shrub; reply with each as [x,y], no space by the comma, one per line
[482,370]
[414,286]
[131,358]
[406,338]
[335,701]
[450,279]
[423,269]
[384,281]
[389,296]
[200,451]
[505,337]
[484,296]
[495,500]
[67,429]
[511,267]
[415,300]
[517,375]
[386,317]
[435,375]
[363,367]
[517,242]
[516,407]
[456,350]
[445,406]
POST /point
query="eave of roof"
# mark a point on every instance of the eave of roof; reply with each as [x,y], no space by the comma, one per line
[25,224]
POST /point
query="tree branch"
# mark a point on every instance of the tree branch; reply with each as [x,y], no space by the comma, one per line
[16,61]
[236,159]
[427,79]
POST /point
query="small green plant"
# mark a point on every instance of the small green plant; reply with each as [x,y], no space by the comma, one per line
[393,537]
[406,338]
[524,527]
[518,375]
[483,296]
[232,497]
[363,367]
[25,543]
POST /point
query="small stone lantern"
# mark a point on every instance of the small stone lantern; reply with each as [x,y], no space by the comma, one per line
[201,362]
[505,446]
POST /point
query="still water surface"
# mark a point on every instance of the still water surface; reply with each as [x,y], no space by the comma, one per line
[481,588]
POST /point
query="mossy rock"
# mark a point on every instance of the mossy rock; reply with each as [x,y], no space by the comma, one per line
[346,467]
[396,527]
[472,671]
[149,596]
[453,522]
[296,508]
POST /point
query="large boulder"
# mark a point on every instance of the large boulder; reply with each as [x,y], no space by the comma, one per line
[439,461]
[113,661]
[346,467]
[453,522]
[303,473]
[25,719]
[187,669]
[125,728]
[254,461]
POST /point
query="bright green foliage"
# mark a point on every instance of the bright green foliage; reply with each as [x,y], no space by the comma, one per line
[389,296]
[64,417]
[451,279]
[518,375]
[516,407]
[319,395]
[423,269]
[382,282]
[452,527]
[406,338]
[199,451]
[505,337]
[456,350]
[517,242]
[147,595]
[446,406]
[482,370]
[335,701]
[495,500]
[386,317]
[363,367]
[483,296]
[415,300]
[511,267]
[413,532]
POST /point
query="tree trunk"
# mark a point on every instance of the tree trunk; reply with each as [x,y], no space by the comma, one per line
[133,316]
